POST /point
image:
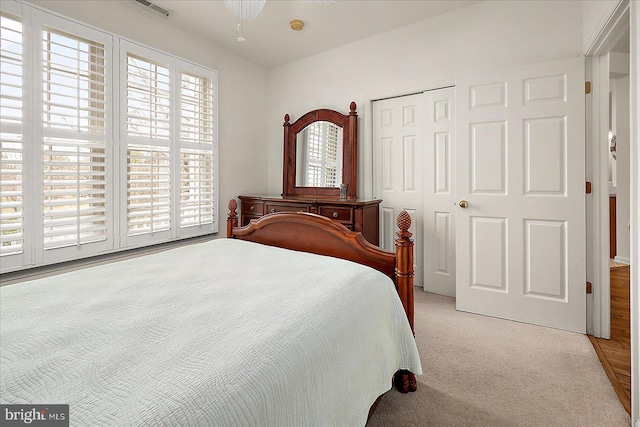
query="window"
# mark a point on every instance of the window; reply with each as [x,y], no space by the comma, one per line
[107,167]
[196,155]
[74,140]
[148,137]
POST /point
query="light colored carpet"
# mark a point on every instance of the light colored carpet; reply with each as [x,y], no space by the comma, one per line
[483,371]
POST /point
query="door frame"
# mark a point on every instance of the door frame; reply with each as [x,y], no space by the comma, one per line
[597,129]
[597,234]
[634,99]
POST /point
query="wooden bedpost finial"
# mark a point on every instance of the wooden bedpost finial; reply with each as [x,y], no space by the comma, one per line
[352,107]
[404,223]
[233,205]
[286,119]
[232,217]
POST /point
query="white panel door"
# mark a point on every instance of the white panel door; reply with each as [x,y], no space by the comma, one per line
[398,160]
[439,192]
[520,244]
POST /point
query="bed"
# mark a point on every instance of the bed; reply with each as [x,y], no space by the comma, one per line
[274,326]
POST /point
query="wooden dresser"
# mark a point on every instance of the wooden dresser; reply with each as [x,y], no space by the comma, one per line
[357,214]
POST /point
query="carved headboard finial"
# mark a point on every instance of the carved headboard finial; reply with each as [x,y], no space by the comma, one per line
[352,107]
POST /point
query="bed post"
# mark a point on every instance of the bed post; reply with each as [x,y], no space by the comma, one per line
[232,217]
[289,153]
[405,381]
[404,264]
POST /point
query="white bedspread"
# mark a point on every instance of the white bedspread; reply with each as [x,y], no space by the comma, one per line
[223,333]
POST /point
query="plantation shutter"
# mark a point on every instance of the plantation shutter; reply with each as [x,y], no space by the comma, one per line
[11,141]
[148,138]
[67,186]
[74,140]
[197,137]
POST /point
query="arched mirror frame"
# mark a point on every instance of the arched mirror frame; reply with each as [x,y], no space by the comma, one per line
[349,125]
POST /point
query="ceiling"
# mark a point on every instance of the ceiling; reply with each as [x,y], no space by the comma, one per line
[270,42]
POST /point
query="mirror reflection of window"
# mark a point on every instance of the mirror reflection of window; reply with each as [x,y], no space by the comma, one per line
[323,155]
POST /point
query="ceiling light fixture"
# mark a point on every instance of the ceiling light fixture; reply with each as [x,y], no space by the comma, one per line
[244,10]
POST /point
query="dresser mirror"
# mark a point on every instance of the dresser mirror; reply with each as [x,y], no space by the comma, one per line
[320,154]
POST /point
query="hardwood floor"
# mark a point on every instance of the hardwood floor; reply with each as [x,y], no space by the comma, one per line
[615,354]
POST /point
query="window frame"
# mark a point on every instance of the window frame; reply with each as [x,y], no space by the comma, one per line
[17,260]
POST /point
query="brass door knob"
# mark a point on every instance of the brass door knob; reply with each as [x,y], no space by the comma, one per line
[463,204]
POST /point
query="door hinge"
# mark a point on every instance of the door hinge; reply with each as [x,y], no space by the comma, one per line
[589,288]
[588,187]
[587,88]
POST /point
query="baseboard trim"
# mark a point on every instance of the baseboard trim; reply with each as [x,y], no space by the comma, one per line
[622,260]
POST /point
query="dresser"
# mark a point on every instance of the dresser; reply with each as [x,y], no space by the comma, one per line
[356,214]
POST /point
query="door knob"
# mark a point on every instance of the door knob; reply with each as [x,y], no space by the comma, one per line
[463,204]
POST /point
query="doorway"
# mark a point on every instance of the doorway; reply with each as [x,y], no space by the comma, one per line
[615,352]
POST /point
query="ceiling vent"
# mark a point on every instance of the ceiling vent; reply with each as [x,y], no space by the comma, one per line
[153,7]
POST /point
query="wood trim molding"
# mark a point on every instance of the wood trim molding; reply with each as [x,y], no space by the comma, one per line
[617,387]
[608,30]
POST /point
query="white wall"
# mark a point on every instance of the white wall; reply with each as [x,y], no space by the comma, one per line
[241,86]
[486,35]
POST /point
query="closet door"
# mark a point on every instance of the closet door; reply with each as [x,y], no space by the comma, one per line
[398,139]
[520,181]
[439,192]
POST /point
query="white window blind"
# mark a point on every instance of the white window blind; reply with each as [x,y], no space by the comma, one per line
[11,147]
[196,187]
[148,133]
[148,189]
[197,135]
[74,137]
